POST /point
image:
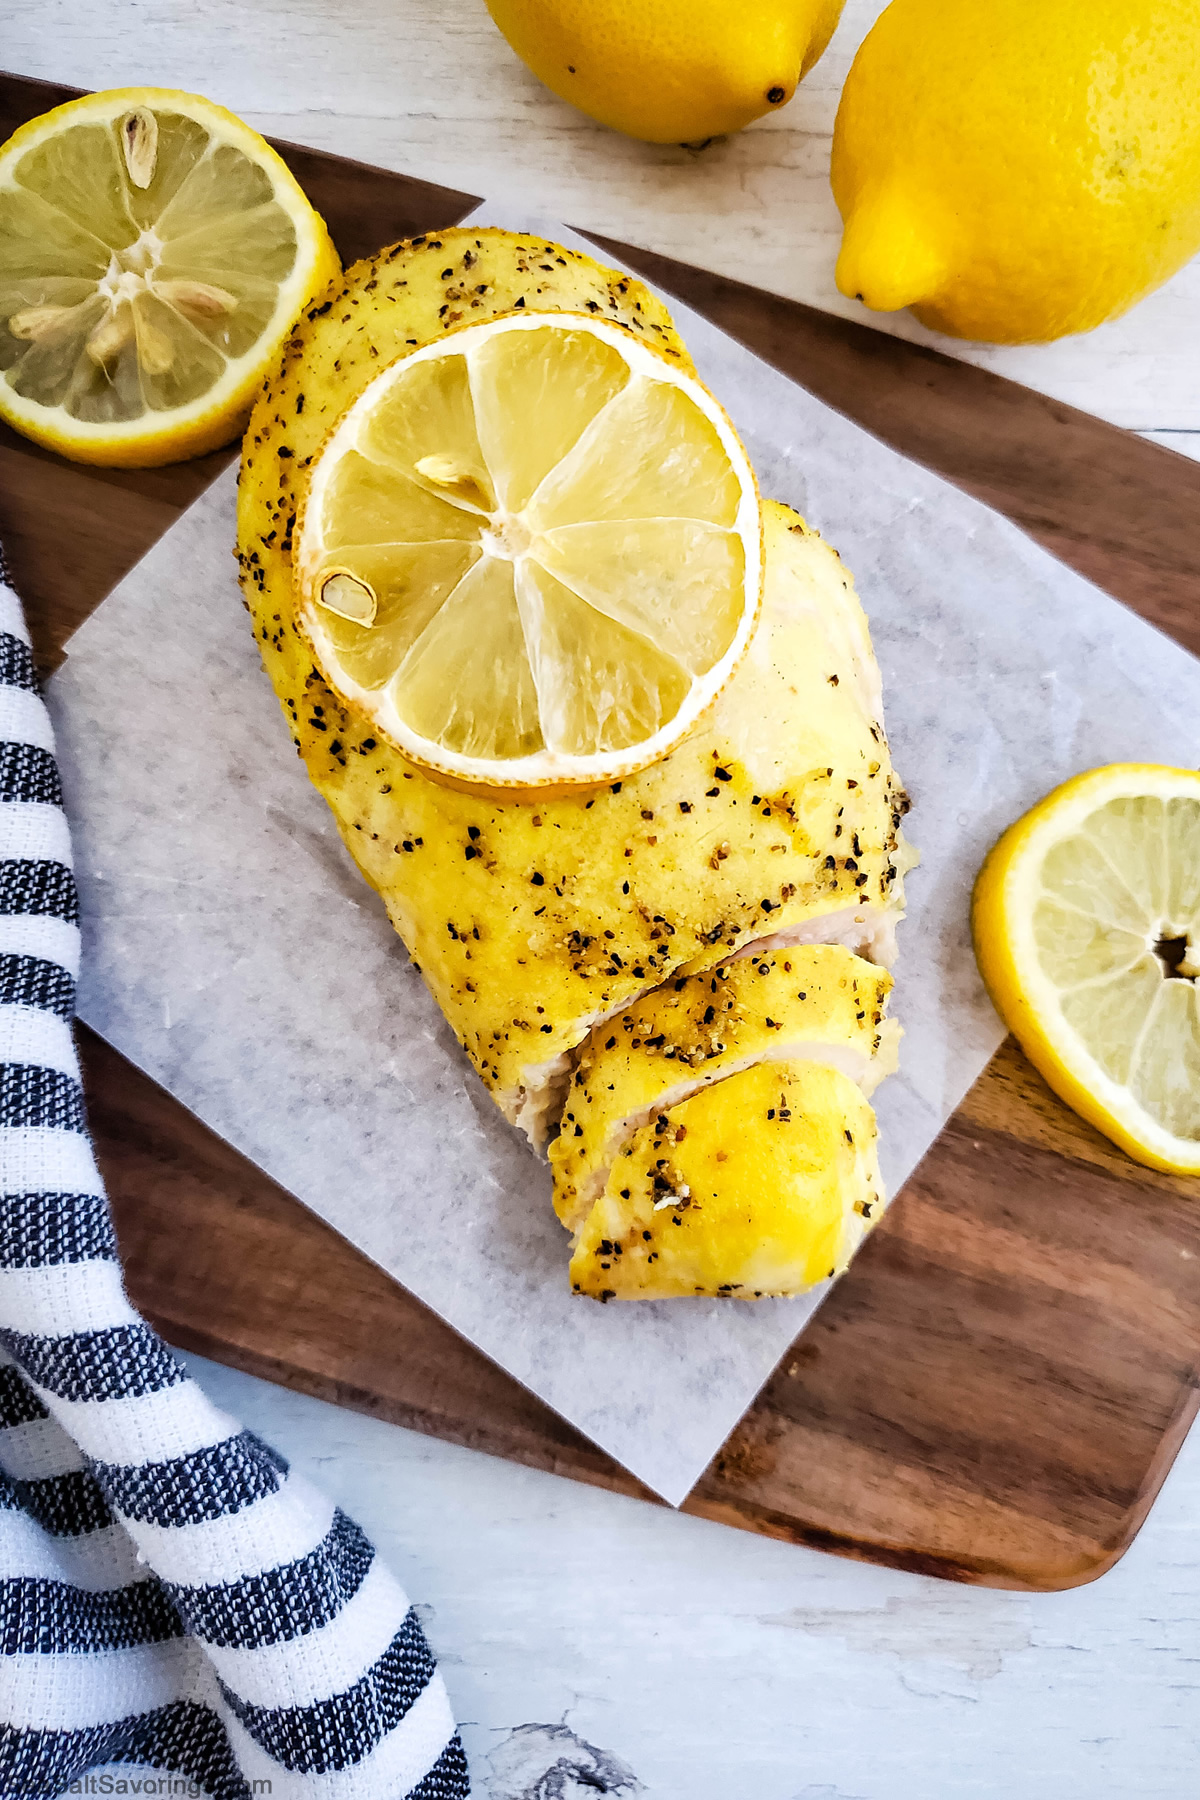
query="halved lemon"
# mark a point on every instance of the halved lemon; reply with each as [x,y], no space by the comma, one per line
[531,552]
[154,253]
[1087,928]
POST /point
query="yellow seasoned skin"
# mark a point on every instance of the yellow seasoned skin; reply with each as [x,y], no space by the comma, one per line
[408,295]
[814,1003]
[532,919]
[761,1185]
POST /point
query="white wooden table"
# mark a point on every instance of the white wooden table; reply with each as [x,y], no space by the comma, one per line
[707,1664]
[430,87]
[636,1651]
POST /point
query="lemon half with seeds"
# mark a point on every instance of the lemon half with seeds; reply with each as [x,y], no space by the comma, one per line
[1087,928]
[154,252]
[531,552]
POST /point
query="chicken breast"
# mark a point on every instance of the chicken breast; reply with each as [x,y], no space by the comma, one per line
[685,971]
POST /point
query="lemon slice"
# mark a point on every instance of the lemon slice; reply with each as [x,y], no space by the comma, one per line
[1087,929]
[531,552]
[154,252]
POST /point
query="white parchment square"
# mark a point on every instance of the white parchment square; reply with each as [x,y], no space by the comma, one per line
[234,953]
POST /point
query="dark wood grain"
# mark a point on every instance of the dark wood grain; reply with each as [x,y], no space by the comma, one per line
[996,1389]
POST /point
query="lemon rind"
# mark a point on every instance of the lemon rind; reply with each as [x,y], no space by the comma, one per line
[548,768]
[1002,915]
[217,416]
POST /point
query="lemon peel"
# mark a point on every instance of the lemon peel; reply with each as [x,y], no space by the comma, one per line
[154,252]
[531,553]
[1086,920]
[1013,171]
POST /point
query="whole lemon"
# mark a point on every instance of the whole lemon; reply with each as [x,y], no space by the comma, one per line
[1014,170]
[676,72]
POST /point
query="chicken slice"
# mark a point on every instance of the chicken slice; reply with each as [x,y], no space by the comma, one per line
[814,1004]
[762,1184]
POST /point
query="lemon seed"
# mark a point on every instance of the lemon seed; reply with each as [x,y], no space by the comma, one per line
[349,598]
[139,141]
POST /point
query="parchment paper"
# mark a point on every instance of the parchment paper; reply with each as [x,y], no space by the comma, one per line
[233,952]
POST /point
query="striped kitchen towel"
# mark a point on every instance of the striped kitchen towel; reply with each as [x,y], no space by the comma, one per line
[179,1613]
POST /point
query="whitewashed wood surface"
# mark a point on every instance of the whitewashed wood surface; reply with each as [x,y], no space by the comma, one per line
[429,87]
[593,1644]
[669,1658]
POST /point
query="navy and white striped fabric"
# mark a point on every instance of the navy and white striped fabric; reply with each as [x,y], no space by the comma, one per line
[177,1609]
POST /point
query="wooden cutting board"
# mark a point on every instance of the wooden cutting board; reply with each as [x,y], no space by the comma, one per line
[996,1390]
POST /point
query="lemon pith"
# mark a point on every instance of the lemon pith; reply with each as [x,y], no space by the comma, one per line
[531,551]
[154,251]
[1015,171]
[1086,919]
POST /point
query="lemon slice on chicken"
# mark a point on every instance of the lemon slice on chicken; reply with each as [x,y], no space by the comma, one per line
[154,253]
[1087,929]
[531,553]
